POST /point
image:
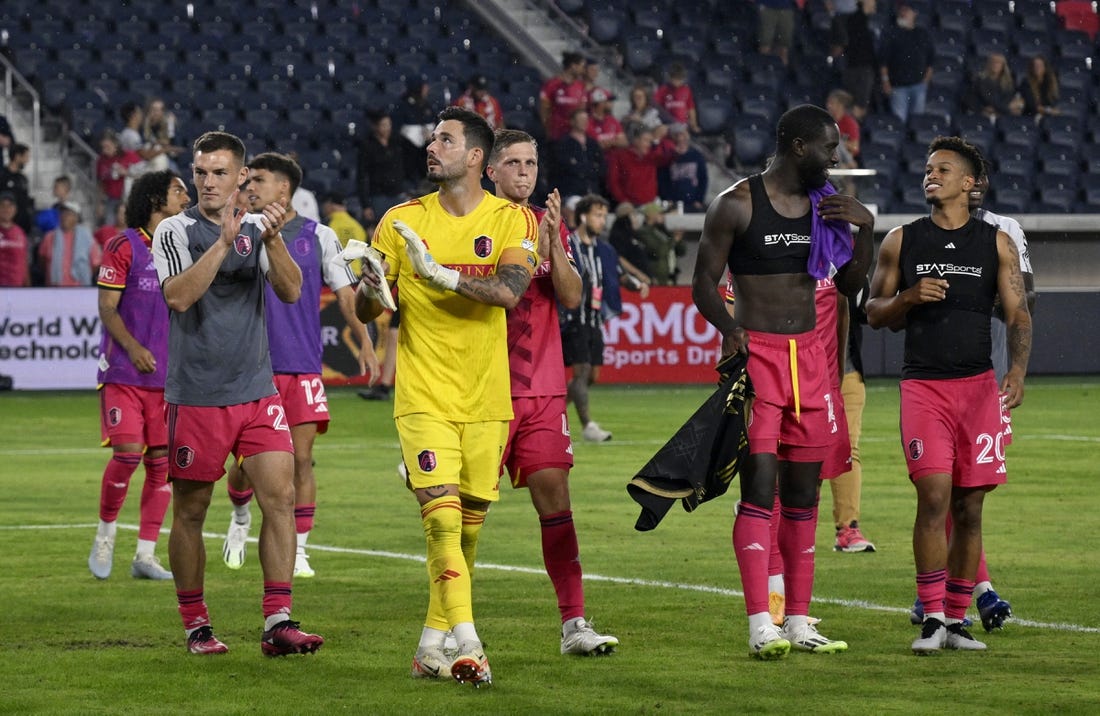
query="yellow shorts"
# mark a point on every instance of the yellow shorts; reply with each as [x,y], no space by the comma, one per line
[441,452]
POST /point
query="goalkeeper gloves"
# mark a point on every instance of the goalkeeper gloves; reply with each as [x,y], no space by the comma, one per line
[439,276]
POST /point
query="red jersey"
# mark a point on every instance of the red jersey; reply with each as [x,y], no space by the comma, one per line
[604,130]
[677,101]
[117,258]
[564,99]
[14,264]
[111,172]
[487,107]
[849,129]
[534,338]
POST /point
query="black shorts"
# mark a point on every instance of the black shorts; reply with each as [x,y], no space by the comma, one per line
[582,344]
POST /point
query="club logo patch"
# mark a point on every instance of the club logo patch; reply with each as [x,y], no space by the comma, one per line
[426,460]
[185,456]
[242,245]
[483,246]
[114,416]
[916,448]
[107,274]
[301,247]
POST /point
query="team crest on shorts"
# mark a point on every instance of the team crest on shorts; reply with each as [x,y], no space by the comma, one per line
[114,416]
[483,246]
[184,457]
[242,245]
[426,460]
[915,448]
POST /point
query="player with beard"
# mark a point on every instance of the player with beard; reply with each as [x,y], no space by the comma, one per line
[452,405]
[938,277]
[539,453]
[779,232]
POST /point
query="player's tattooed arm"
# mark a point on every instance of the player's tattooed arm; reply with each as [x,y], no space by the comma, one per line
[505,288]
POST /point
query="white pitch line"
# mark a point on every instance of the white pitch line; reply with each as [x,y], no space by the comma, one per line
[660,584]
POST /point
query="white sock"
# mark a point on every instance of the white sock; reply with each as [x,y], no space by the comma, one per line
[775,584]
[796,621]
[936,615]
[430,637]
[276,618]
[107,529]
[242,513]
[756,621]
[145,548]
[303,537]
[981,588]
[465,633]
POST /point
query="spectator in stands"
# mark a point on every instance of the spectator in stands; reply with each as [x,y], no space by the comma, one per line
[112,170]
[6,139]
[14,247]
[68,255]
[381,178]
[992,91]
[415,119]
[159,134]
[576,160]
[602,125]
[12,179]
[838,104]
[905,63]
[50,218]
[592,77]
[776,28]
[662,247]
[477,99]
[114,224]
[1039,88]
[623,237]
[644,112]
[133,118]
[853,48]
[676,98]
[632,170]
[560,96]
[684,181]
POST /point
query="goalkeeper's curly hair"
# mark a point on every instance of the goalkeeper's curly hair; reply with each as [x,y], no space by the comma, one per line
[970,153]
[149,194]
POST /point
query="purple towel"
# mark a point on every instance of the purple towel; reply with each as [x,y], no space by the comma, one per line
[830,241]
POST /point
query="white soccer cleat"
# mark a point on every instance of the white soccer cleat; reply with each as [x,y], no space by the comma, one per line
[233,550]
[102,556]
[301,566]
[768,644]
[578,637]
[959,638]
[806,637]
[593,433]
[471,665]
[430,662]
[933,637]
[149,567]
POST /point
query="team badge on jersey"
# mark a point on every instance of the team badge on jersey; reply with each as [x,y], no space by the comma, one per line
[916,448]
[184,457]
[483,246]
[114,416]
[242,245]
[301,247]
[107,274]
[426,460]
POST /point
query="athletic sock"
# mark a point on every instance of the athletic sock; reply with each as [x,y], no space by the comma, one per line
[561,555]
[775,556]
[277,601]
[192,608]
[155,496]
[115,483]
[798,526]
[472,522]
[751,546]
[450,599]
[303,518]
[145,548]
[960,592]
[240,500]
[932,590]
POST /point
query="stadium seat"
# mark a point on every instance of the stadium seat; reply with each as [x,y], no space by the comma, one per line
[925,127]
[714,116]
[1010,201]
[639,57]
[1018,130]
[890,137]
[766,109]
[886,170]
[1058,200]
[752,146]
[606,26]
[881,197]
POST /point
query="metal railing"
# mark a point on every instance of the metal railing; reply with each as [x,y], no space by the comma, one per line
[13,79]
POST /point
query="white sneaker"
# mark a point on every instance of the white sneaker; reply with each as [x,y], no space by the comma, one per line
[806,637]
[471,665]
[235,540]
[768,644]
[933,637]
[148,567]
[578,637]
[430,662]
[593,433]
[959,638]
[102,556]
[301,566]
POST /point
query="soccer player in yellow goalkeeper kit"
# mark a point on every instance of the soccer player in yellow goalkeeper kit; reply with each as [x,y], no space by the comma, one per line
[459,257]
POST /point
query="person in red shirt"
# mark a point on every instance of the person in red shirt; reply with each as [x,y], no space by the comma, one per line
[110,230]
[112,169]
[561,95]
[477,99]
[676,98]
[602,125]
[14,249]
[839,105]
[632,170]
